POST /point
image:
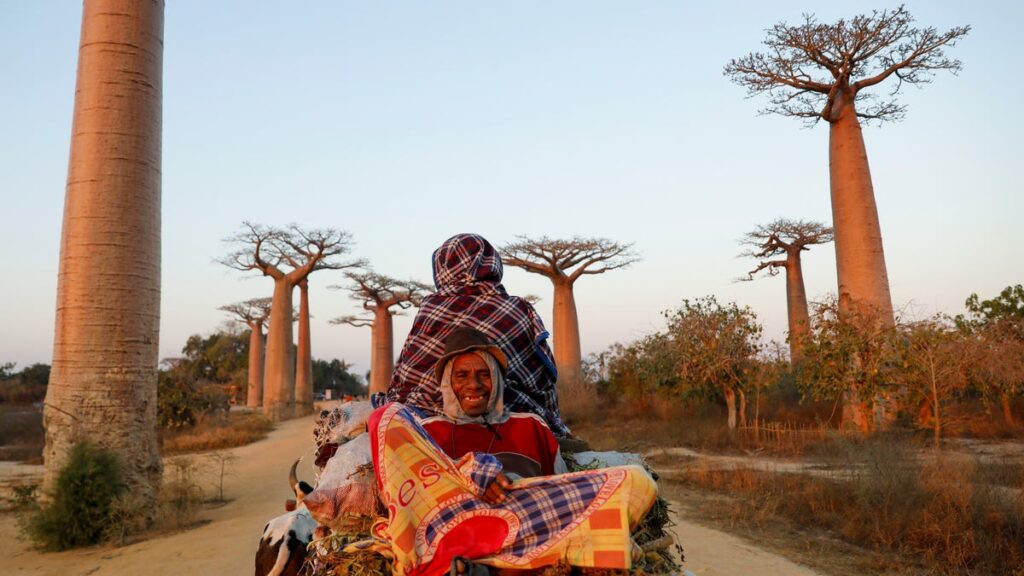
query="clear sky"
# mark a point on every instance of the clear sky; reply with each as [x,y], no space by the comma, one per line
[407,122]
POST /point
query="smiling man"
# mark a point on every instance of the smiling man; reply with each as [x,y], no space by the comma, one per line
[471,377]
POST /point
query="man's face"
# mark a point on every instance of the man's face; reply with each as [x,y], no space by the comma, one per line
[471,382]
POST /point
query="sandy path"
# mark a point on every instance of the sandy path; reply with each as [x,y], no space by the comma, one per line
[226,545]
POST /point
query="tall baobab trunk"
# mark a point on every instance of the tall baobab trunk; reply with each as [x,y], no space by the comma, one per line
[254,395]
[860,258]
[566,340]
[304,363]
[105,351]
[279,373]
[382,356]
[796,305]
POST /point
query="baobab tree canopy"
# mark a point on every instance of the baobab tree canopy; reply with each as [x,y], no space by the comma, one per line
[805,67]
[568,258]
[781,238]
[253,311]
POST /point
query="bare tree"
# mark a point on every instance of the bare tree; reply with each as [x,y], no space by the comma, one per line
[103,385]
[564,262]
[778,246]
[304,356]
[253,313]
[378,295]
[818,71]
[288,256]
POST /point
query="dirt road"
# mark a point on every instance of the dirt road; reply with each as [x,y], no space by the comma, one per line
[226,544]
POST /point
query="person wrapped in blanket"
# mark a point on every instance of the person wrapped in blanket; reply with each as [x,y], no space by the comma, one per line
[478,486]
[467,276]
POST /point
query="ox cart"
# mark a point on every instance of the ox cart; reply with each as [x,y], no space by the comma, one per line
[333,528]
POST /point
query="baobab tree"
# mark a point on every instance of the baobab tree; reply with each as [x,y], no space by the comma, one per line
[778,246]
[564,262]
[103,381]
[288,256]
[824,72]
[304,356]
[379,295]
[254,314]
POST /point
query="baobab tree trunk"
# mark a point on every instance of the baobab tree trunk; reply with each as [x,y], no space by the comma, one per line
[741,409]
[279,372]
[304,362]
[567,342]
[254,395]
[103,382]
[796,305]
[382,360]
[860,258]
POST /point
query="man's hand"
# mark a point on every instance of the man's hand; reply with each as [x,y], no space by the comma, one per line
[495,493]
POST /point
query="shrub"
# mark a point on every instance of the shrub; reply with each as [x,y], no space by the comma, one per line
[80,507]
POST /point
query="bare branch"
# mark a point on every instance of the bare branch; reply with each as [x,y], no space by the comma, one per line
[373,290]
[803,65]
[357,321]
[252,312]
[293,252]
[783,237]
[568,259]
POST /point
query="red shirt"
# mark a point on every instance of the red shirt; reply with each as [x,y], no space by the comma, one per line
[523,443]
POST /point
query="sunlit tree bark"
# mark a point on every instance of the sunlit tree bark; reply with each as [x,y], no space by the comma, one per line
[304,356]
[103,381]
[254,314]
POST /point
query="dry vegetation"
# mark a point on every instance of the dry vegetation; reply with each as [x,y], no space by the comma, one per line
[238,429]
[886,503]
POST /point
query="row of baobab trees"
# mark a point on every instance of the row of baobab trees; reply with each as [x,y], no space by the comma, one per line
[105,354]
[282,383]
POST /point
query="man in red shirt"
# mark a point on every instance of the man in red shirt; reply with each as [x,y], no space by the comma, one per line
[470,374]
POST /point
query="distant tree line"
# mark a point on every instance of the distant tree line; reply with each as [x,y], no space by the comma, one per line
[212,374]
[25,386]
[909,373]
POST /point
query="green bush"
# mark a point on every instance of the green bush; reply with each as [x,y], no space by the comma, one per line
[80,506]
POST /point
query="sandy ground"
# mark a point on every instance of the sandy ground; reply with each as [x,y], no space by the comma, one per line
[226,543]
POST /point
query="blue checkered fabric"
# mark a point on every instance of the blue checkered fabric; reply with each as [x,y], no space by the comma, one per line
[467,275]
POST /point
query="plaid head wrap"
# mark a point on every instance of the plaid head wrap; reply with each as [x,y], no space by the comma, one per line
[467,276]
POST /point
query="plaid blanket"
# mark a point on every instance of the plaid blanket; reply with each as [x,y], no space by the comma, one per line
[435,512]
[467,274]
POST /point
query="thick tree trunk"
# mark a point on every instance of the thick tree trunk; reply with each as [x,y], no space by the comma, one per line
[254,395]
[304,361]
[856,412]
[1004,400]
[279,372]
[105,352]
[860,259]
[741,407]
[382,360]
[567,341]
[730,405]
[796,305]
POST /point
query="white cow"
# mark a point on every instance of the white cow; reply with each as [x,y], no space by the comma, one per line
[282,550]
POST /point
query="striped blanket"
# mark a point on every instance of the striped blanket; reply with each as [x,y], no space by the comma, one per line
[435,512]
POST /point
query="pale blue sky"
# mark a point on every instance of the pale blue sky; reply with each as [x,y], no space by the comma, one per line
[407,122]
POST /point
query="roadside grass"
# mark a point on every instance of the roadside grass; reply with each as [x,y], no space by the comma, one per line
[939,514]
[239,429]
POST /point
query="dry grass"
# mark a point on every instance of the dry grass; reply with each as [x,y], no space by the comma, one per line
[936,514]
[21,433]
[240,429]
